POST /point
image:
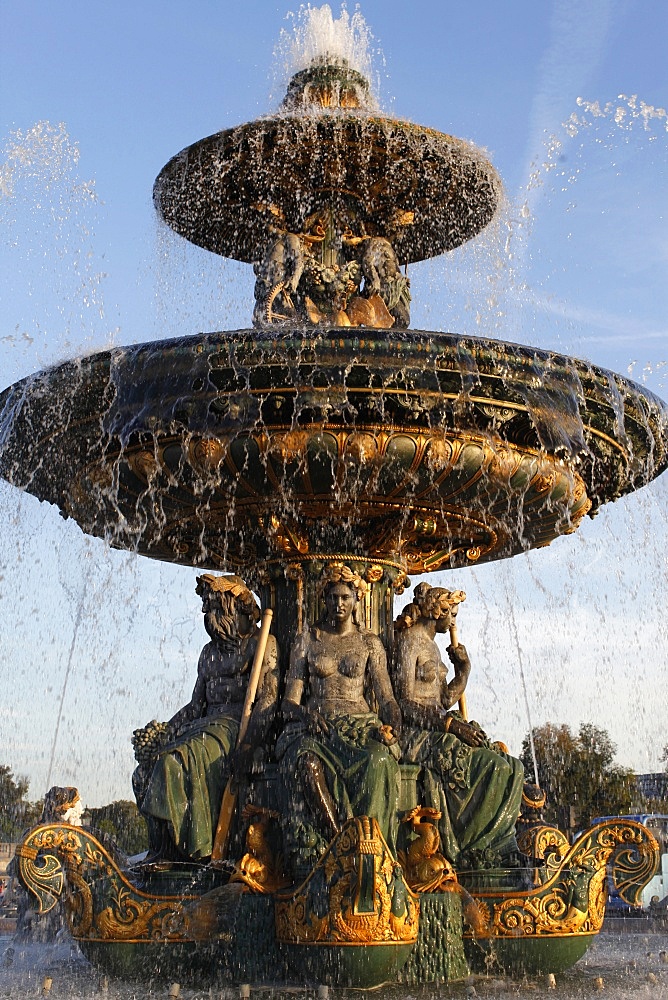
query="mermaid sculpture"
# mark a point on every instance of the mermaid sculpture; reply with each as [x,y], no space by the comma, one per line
[475,785]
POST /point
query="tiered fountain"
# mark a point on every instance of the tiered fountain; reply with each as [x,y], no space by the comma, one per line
[330,433]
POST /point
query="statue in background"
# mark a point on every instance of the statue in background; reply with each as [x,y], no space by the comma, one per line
[184,764]
[474,784]
[62,805]
[337,755]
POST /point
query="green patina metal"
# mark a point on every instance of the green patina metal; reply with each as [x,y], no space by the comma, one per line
[330,438]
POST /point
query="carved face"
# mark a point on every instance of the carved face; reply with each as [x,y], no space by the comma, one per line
[340,601]
[443,624]
[220,614]
[448,615]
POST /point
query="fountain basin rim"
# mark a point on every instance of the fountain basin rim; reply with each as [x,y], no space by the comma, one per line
[210,192]
[233,428]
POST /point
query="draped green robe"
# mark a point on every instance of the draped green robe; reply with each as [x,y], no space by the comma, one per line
[478,791]
[187,782]
[362,772]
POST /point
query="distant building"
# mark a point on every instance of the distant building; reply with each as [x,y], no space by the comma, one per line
[653,785]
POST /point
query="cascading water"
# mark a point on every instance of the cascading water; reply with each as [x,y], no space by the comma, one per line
[355,479]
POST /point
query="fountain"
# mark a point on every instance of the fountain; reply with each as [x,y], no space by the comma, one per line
[331,446]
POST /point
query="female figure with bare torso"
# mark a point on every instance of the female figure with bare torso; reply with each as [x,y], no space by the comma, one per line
[339,757]
[474,784]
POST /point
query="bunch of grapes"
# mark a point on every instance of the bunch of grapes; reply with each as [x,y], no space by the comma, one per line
[149,741]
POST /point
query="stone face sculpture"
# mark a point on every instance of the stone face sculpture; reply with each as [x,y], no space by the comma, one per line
[476,787]
[337,755]
[179,783]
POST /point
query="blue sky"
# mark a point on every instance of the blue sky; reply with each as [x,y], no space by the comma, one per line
[576,262]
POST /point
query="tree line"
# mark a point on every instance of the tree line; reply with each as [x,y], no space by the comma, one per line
[577,772]
[119,820]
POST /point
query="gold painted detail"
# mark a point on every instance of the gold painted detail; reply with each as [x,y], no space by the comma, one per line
[424,499]
[425,868]
[358,887]
[261,867]
[548,844]
[573,900]
[101,904]
[206,454]
[285,538]
[144,464]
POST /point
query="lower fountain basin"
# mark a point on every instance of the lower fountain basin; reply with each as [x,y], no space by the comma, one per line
[419,450]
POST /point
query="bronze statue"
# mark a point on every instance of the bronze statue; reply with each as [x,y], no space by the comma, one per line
[295,284]
[179,787]
[474,784]
[338,756]
[278,277]
[383,277]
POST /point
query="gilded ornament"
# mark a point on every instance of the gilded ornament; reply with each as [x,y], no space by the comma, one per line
[572,900]
[291,446]
[367,899]
[206,454]
[438,453]
[361,447]
[145,464]
[261,867]
[374,574]
[425,868]
[503,464]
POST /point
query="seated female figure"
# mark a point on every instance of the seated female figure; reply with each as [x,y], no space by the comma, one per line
[476,787]
[337,755]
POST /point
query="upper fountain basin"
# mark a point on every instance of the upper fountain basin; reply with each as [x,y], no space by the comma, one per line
[328,153]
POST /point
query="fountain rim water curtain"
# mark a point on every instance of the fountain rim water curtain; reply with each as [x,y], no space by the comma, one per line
[165,420]
[328,149]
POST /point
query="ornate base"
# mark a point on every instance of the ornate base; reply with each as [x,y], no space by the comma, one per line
[353,922]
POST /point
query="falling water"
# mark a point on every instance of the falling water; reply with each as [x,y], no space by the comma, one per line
[605,168]
[125,593]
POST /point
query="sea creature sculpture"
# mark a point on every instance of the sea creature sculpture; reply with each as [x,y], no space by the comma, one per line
[425,868]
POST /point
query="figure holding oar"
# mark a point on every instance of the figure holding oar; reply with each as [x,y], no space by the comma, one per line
[179,785]
[472,783]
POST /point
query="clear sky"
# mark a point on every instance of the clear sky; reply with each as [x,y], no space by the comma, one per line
[566,97]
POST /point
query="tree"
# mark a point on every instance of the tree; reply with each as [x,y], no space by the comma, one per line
[578,775]
[123,822]
[16,813]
